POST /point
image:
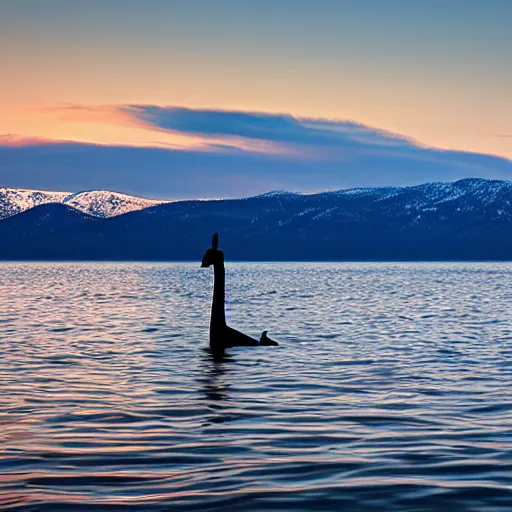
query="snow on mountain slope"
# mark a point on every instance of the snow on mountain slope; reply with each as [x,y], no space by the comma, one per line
[469,219]
[16,200]
[100,203]
[395,200]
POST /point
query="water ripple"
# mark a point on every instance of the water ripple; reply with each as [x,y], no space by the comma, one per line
[390,390]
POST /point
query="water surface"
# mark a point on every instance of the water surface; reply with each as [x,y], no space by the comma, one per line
[390,389]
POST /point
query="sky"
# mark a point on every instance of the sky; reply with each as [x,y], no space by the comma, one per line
[172,99]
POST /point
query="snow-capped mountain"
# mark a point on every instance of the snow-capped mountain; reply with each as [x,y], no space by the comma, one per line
[468,219]
[16,200]
[100,203]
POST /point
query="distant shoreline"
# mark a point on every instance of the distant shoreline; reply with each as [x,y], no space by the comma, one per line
[468,220]
[253,261]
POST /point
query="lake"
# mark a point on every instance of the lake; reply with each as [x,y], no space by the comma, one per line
[390,389]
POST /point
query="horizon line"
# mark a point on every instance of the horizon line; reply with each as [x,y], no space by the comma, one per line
[268,193]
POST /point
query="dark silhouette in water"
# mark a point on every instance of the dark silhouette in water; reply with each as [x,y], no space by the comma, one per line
[222,336]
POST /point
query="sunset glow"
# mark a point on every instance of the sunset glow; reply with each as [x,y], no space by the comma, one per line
[433,73]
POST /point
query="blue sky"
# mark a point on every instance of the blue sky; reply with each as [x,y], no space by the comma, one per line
[147,76]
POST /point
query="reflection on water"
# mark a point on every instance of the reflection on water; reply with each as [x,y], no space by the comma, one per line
[390,390]
[215,388]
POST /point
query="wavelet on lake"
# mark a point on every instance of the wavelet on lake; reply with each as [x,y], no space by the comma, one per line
[393,394]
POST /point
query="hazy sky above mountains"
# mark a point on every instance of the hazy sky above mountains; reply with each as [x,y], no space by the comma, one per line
[200,98]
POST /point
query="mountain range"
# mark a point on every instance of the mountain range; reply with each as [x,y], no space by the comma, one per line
[100,203]
[470,219]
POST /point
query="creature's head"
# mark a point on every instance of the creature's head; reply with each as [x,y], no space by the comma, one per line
[213,255]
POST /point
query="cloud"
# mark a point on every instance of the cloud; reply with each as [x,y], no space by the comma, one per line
[10,140]
[282,129]
[235,154]
[110,114]
[216,171]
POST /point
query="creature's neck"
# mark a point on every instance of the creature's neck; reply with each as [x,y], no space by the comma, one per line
[218,318]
